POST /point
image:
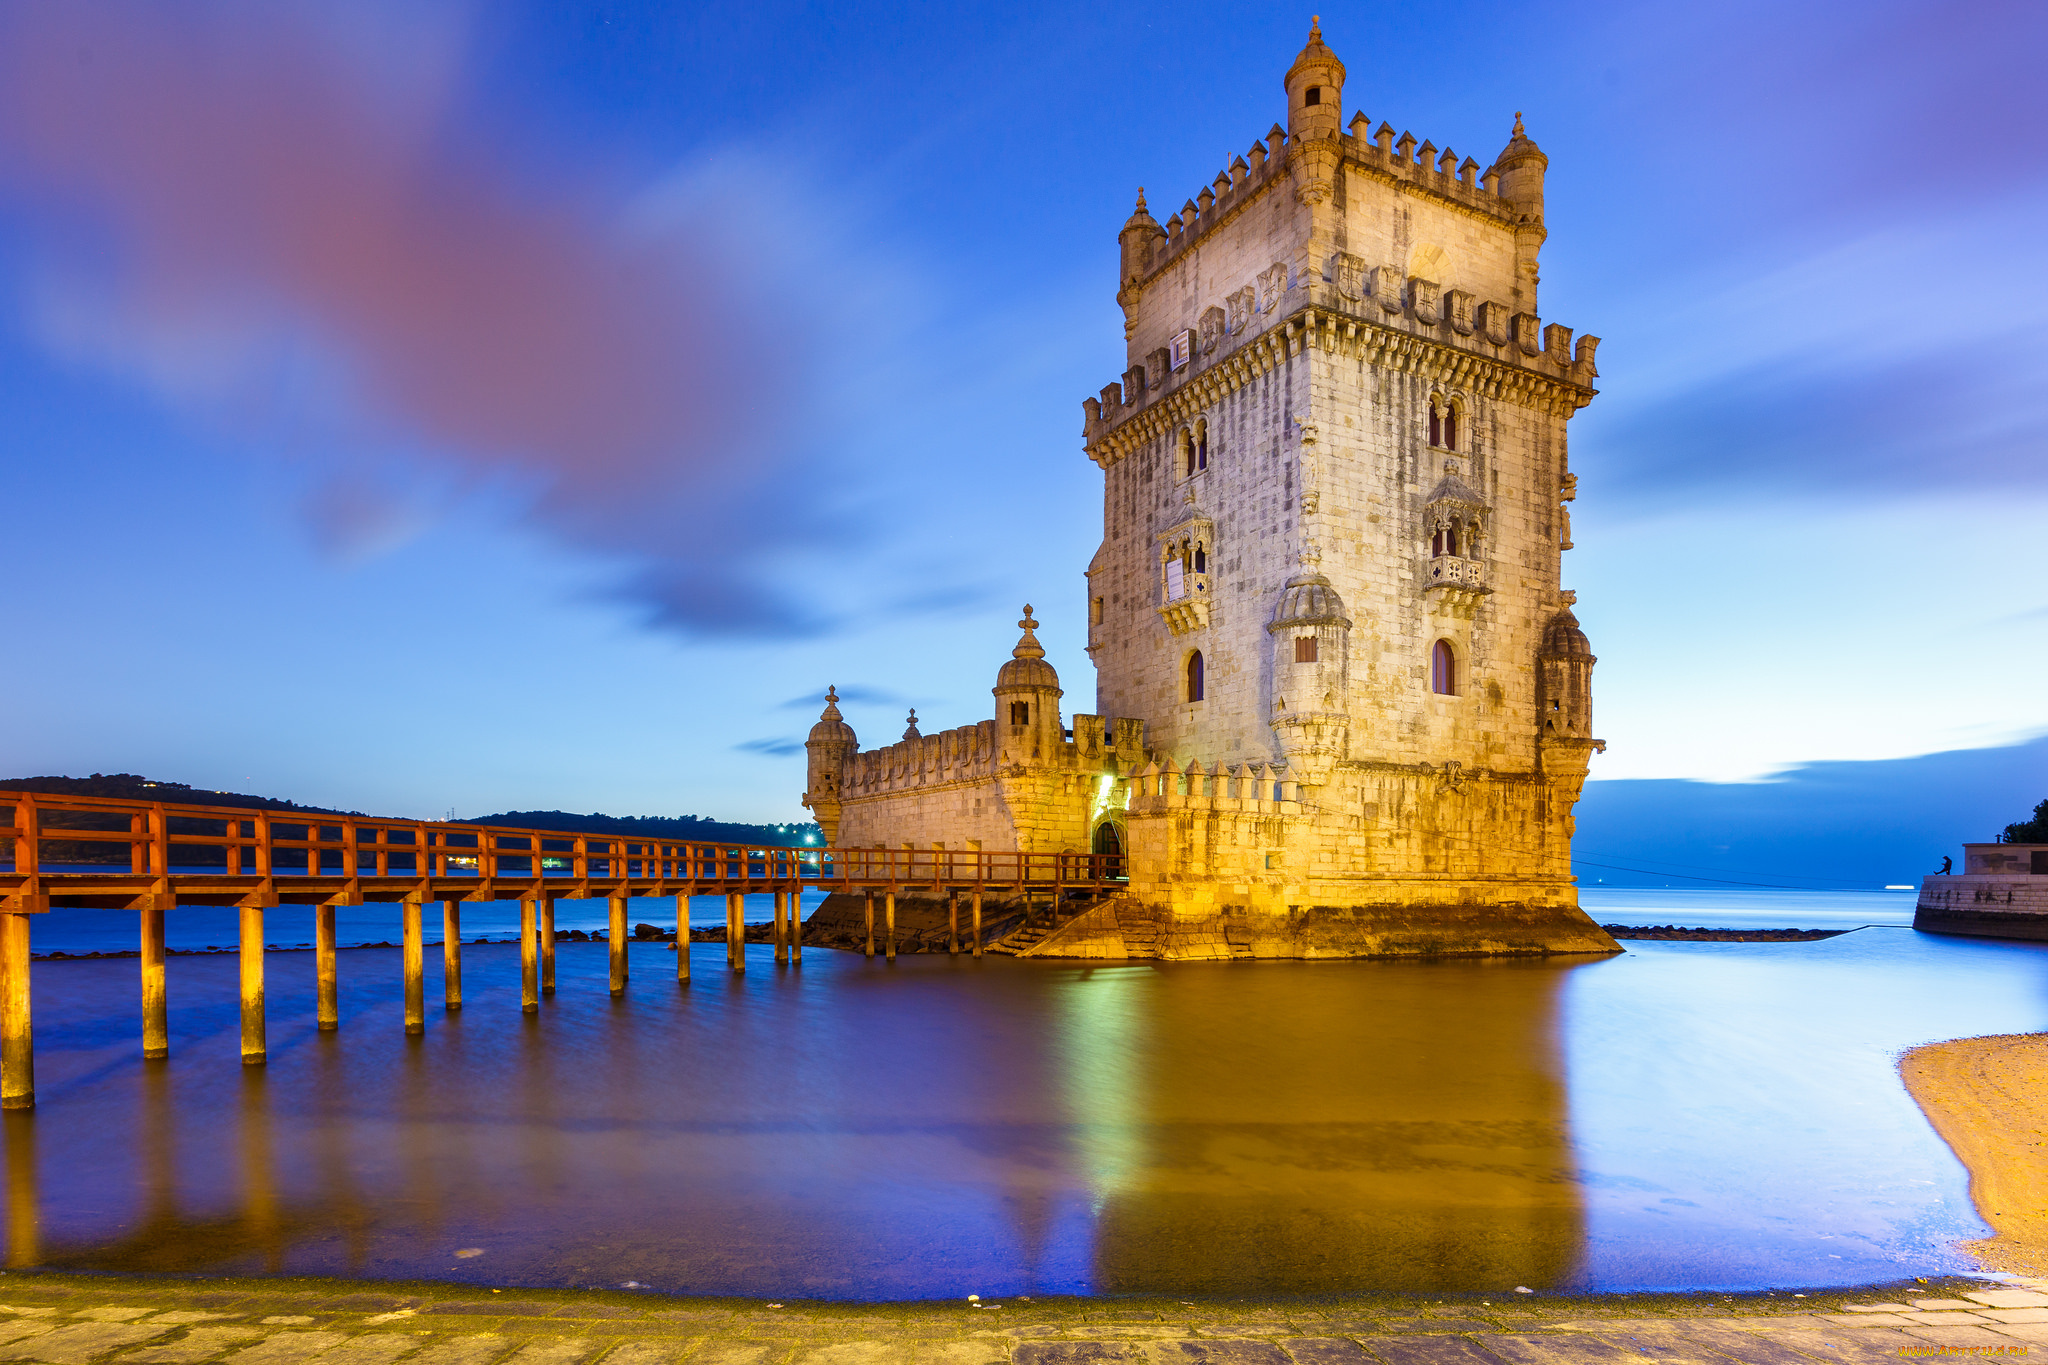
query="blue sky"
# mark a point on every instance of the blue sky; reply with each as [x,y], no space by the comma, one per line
[413,407]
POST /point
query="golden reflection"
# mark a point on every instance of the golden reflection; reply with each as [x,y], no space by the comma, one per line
[24,1233]
[259,1177]
[1322,1128]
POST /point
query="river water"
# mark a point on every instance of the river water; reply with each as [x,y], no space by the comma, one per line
[1687,1115]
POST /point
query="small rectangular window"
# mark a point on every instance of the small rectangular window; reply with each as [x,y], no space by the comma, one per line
[1182,347]
[1095,612]
[1304,649]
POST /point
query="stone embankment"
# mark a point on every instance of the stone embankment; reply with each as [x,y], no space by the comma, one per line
[76,1320]
[1988,1098]
[1672,931]
[840,921]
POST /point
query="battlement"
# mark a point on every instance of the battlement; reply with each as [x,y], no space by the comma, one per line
[969,753]
[1248,788]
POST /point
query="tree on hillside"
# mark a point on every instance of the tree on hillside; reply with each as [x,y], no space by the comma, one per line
[2034,831]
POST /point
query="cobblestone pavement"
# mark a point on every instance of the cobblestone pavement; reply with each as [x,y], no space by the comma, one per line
[79,1320]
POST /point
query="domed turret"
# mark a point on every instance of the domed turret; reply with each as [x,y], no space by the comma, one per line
[1315,89]
[1027,693]
[1521,165]
[831,744]
[1563,639]
[1310,634]
[1308,600]
[1565,665]
[1137,238]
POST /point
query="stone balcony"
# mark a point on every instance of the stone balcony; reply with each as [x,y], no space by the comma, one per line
[1190,610]
[1454,584]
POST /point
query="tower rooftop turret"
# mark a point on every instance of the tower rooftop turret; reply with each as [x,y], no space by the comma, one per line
[1027,666]
[831,726]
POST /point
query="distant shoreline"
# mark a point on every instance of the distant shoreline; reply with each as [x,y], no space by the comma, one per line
[1988,1099]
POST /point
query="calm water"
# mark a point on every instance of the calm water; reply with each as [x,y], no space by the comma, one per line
[1687,1115]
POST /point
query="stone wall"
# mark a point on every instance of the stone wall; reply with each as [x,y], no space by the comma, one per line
[1984,906]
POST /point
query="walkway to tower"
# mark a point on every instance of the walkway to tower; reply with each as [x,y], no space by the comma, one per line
[152,857]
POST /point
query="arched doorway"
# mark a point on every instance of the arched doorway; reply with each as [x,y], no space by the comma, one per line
[1109,842]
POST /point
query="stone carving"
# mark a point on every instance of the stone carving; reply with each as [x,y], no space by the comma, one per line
[1427,294]
[1272,284]
[1458,308]
[1387,287]
[1241,306]
[1349,271]
[1211,328]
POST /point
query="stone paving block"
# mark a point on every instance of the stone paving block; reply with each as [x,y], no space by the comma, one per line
[661,1351]
[739,1353]
[286,1348]
[1871,1319]
[111,1313]
[1575,1349]
[599,1310]
[1071,1352]
[1935,1305]
[201,1343]
[27,1311]
[553,1351]
[2014,1314]
[1326,1351]
[1843,1345]
[2009,1298]
[1978,1335]
[79,1342]
[374,1348]
[1876,1308]
[1944,1319]
[288,1320]
[504,1308]
[180,1318]
[366,1303]
[478,1349]
[1214,1353]
[19,1330]
[962,1353]
[1751,1348]
[2023,1331]
[1438,1325]
[1424,1350]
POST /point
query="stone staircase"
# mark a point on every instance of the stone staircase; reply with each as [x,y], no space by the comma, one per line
[1041,927]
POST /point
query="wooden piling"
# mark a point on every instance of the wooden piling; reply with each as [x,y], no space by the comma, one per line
[254,1048]
[871,923]
[736,931]
[529,956]
[781,928]
[953,922]
[415,969]
[328,1009]
[156,1023]
[977,921]
[17,1036]
[889,912]
[617,942]
[682,936]
[796,926]
[451,955]
[547,945]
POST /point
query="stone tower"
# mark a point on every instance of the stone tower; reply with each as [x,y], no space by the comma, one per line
[1334,479]
[1352,706]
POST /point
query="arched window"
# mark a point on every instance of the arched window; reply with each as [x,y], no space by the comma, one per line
[1194,688]
[1450,426]
[1201,560]
[1304,649]
[1436,423]
[1201,446]
[1443,669]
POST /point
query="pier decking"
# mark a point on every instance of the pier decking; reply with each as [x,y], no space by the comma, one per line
[152,857]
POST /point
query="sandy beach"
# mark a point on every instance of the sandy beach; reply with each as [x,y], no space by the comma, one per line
[1988,1098]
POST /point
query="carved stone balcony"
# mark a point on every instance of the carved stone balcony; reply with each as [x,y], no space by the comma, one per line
[1190,610]
[1454,584]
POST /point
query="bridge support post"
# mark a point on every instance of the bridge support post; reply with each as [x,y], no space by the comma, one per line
[156,1024]
[682,936]
[889,915]
[736,931]
[871,923]
[796,925]
[254,1049]
[547,944]
[451,955]
[415,969]
[17,1036]
[616,940]
[781,928]
[977,921]
[529,956]
[953,923]
[328,1009]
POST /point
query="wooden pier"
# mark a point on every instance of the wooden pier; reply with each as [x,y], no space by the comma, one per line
[68,851]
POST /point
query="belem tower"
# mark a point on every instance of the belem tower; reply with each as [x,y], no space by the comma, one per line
[1343,707]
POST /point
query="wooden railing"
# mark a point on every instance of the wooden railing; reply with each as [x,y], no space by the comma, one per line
[151,857]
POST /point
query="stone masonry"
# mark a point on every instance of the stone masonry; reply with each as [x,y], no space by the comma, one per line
[1353,705]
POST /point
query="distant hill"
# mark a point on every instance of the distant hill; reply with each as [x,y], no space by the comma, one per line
[134,787]
[694,828]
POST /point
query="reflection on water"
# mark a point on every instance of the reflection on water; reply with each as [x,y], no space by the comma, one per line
[1689,1114]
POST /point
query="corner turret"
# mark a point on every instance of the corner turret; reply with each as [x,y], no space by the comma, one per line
[1518,172]
[831,743]
[1027,693]
[1315,90]
[1137,238]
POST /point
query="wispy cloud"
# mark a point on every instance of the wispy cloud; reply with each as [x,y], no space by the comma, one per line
[776,748]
